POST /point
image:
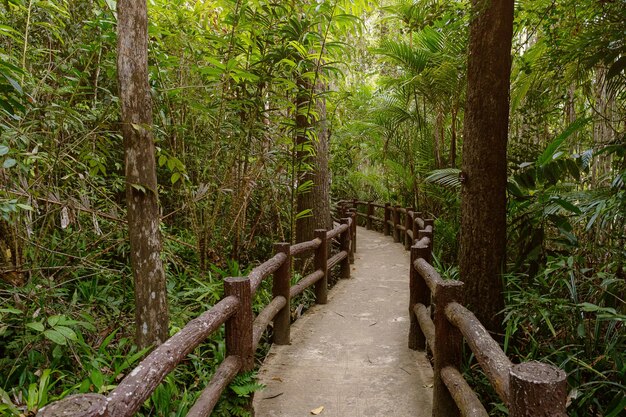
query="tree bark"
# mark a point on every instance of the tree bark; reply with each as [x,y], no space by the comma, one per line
[483,195]
[151,312]
[453,138]
[11,259]
[317,199]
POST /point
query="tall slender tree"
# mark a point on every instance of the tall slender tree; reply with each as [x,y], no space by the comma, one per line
[312,130]
[151,312]
[483,195]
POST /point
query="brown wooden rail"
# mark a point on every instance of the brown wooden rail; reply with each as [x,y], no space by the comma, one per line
[243,330]
[440,322]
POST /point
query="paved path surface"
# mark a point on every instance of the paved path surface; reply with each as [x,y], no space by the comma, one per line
[350,356]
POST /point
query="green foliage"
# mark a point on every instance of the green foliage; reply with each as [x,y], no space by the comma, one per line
[226,79]
[562,316]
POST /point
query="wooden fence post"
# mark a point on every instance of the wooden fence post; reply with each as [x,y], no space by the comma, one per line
[344,241]
[408,227]
[79,405]
[415,226]
[448,346]
[387,217]
[427,253]
[537,390]
[370,213]
[281,287]
[353,233]
[418,293]
[431,223]
[321,263]
[396,222]
[239,326]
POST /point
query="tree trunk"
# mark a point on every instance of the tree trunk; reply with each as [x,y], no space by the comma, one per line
[483,196]
[317,198]
[151,313]
[10,254]
[321,188]
[602,132]
[438,148]
[453,139]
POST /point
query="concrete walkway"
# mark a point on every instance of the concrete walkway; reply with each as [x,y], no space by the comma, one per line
[350,356]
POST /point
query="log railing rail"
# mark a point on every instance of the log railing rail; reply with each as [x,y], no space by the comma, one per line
[243,330]
[440,322]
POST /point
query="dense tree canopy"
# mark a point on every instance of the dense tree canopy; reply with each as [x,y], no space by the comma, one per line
[249,98]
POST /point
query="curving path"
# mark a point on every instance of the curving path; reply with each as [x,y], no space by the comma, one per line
[350,356]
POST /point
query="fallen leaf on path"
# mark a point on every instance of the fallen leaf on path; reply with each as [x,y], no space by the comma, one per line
[277,378]
[317,411]
[269,397]
[428,385]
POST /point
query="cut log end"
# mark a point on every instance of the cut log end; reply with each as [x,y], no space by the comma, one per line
[538,373]
[81,405]
[537,390]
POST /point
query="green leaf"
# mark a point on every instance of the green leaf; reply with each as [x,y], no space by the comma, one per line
[9,163]
[139,187]
[53,320]
[10,310]
[87,326]
[97,379]
[67,332]
[55,337]
[38,327]
[43,387]
[566,205]
[304,213]
[4,150]
[31,401]
[13,83]
[175,177]
[5,399]
[553,147]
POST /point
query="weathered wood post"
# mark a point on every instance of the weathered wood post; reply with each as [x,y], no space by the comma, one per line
[415,226]
[431,223]
[344,242]
[448,346]
[387,217]
[408,221]
[281,287]
[396,222]
[79,405]
[239,327]
[537,390]
[342,209]
[353,215]
[418,293]
[321,263]
[426,253]
[370,213]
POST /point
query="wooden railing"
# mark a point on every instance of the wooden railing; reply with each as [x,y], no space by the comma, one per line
[440,322]
[243,330]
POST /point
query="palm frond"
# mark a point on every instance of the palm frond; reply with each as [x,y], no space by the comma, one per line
[446,177]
